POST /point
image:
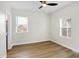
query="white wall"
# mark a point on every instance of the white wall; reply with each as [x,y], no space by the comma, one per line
[37,27]
[8,12]
[73,12]
[2,33]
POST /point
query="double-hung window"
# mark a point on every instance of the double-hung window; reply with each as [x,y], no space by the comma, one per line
[65,27]
[21,24]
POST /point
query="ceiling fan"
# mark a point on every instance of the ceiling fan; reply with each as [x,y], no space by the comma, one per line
[44,4]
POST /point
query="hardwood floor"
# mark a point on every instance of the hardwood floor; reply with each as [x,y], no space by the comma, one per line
[46,49]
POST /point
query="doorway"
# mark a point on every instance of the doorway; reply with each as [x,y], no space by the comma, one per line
[6,34]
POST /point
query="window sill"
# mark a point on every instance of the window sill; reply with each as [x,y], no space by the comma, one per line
[22,32]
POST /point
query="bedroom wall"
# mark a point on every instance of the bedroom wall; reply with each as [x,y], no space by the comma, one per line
[37,27]
[70,11]
[2,32]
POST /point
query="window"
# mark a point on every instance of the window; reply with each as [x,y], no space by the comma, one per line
[2,23]
[65,27]
[21,24]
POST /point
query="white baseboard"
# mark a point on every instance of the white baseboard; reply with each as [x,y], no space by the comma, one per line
[73,50]
[29,42]
[10,48]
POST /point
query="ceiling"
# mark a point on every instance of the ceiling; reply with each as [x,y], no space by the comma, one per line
[33,5]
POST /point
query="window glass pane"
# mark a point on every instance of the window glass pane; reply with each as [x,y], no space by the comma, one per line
[64,23]
[2,17]
[21,28]
[69,23]
[69,32]
[64,31]
[22,20]
[69,27]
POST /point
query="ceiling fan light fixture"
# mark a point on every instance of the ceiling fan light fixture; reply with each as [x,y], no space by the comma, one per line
[44,5]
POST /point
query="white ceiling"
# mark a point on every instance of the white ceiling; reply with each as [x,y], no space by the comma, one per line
[34,5]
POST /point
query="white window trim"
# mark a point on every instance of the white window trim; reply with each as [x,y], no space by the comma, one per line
[16,25]
[61,30]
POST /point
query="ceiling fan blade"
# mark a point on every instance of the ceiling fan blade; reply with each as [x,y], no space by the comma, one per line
[52,4]
[40,7]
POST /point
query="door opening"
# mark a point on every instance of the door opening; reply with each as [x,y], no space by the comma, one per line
[7,34]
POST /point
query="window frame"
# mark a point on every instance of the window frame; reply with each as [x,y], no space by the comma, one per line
[61,27]
[18,24]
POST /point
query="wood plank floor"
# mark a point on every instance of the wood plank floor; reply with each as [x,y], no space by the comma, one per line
[45,49]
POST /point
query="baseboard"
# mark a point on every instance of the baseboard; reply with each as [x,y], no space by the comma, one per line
[73,50]
[10,47]
[29,42]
